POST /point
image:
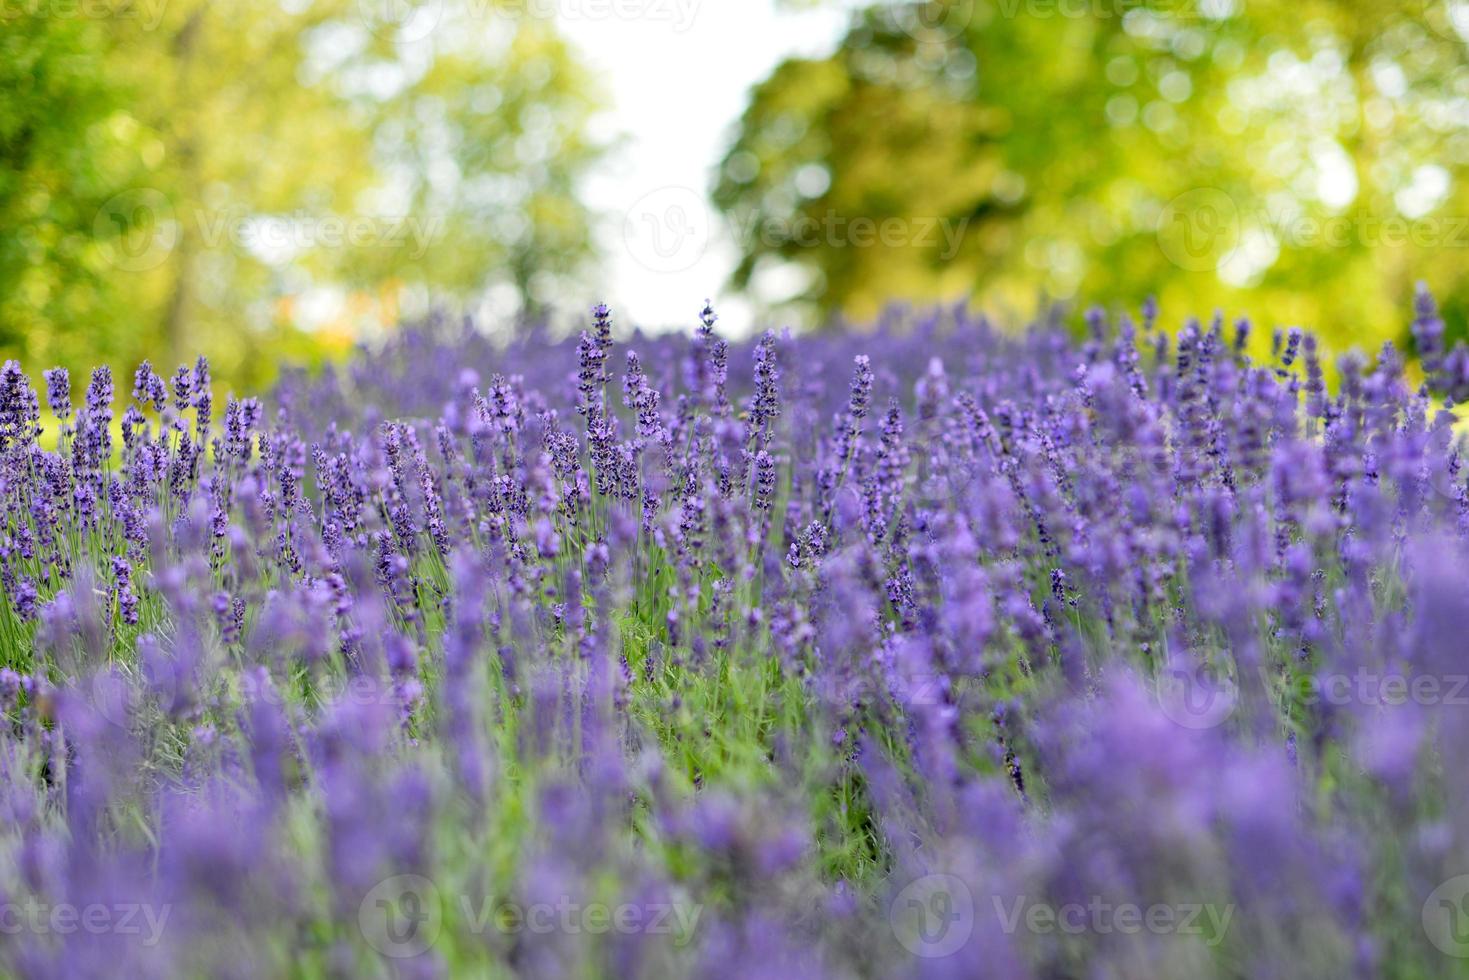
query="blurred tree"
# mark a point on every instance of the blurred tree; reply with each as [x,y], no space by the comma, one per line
[256,179]
[1301,157]
[53,175]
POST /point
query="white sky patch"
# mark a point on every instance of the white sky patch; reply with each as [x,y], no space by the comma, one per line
[319,306]
[812,180]
[1426,191]
[1248,261]
[1336,177]
[781,281]
[677,87]
[1459,16]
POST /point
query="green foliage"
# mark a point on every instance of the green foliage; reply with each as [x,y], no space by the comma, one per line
[253,179]
[1305,157]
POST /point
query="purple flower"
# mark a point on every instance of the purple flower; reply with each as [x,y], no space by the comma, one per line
[1069,623]
[19,410]
[58,393]
[148,388]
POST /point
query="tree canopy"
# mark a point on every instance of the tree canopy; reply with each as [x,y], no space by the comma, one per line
[1302,156]
[259,179]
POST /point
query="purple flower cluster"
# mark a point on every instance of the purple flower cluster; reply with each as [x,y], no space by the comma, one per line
[937,650]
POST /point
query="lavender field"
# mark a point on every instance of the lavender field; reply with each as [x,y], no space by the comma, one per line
[938,650]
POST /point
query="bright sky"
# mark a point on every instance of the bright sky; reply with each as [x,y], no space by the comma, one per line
[678,75]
